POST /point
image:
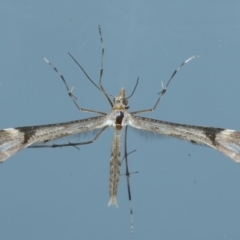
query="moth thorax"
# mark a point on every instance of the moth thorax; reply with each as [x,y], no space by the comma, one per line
[118,120]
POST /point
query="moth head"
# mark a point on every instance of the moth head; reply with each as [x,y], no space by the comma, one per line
[120,102]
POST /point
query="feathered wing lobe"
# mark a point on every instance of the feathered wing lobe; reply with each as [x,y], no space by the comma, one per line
[224,140]
[229,143]
[13,140]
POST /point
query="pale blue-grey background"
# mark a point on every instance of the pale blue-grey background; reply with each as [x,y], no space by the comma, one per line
[182,191]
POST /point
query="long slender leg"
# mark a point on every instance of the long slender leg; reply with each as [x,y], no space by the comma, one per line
[85,73]
[99,86]
[164,89]
[71,144]
[101,69]
[102,55]
[127,174]
[70,92]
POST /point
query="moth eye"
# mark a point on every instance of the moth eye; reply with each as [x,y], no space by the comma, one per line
[125,101]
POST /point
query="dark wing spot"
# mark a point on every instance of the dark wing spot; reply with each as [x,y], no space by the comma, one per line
[211,133]
[28,133]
